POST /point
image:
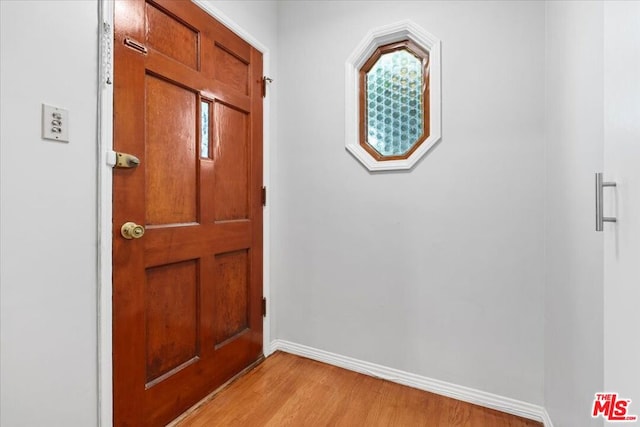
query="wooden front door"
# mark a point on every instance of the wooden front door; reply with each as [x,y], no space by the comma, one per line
[187,295]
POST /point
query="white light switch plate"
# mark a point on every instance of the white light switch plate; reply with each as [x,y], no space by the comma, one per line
[55,123]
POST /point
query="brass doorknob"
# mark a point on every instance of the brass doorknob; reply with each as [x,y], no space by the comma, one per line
[131,230]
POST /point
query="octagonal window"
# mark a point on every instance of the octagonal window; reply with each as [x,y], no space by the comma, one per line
[394,112]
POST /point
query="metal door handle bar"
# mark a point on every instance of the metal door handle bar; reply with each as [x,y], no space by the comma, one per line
[600,218]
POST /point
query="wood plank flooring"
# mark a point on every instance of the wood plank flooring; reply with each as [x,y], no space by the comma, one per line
[287,390]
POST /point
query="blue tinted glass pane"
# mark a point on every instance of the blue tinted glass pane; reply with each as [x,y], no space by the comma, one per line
[395,113]
[204,129]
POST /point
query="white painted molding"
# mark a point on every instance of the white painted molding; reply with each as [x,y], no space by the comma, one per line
[105,195]
[221,17]
[465,394]
[546,419]
[375,38]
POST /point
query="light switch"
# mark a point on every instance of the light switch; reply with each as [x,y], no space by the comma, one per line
[55,123]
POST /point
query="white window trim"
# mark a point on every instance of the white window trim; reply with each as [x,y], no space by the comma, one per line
[374,39]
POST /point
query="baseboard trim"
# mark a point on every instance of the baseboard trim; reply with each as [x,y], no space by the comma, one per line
[466,394]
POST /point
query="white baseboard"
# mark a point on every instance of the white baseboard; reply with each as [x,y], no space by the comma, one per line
[466,394]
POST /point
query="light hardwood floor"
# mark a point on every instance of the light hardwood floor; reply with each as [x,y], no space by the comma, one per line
[287,390]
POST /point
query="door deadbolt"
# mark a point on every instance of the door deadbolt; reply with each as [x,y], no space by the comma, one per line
[131,230]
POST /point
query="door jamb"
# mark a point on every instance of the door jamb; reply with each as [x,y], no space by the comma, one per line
[105,205]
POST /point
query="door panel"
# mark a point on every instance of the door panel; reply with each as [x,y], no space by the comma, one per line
[171,319]
[231,156]
[170,166]
[187,295]
[171,37]
[232,293]
[232,70]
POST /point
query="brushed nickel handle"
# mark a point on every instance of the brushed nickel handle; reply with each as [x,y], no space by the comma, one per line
[600,218]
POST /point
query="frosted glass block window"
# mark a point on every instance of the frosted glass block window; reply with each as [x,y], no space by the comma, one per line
[393,97]
[394,85]
[395,108]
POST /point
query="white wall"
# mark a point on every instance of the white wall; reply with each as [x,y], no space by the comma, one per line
[436,271]
[48,216]
[574,251]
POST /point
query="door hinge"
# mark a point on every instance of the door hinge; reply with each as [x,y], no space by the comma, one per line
[264,196]
[265,80]
[264,307]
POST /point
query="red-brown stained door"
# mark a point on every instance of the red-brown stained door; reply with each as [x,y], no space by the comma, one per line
[187,295]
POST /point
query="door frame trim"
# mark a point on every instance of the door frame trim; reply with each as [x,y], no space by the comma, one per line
[105,205]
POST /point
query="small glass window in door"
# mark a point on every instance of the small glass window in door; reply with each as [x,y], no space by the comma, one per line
[205,126]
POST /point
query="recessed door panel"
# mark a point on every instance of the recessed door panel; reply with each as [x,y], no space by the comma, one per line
[231,295]
[231,156]
[170,158]
[171,318]
[231,69]
[172,37]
